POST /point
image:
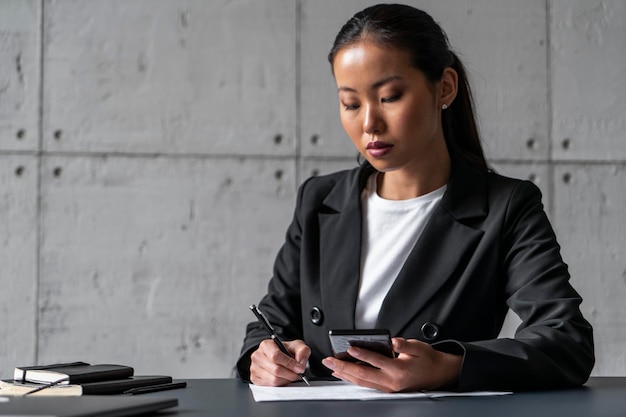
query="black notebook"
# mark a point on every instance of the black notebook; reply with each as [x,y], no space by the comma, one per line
[19,373]
[114,386]
[72,373]
[119,386]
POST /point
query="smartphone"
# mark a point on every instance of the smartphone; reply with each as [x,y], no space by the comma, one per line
[376,340]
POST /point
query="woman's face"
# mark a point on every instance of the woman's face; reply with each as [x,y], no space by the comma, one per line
[388,108]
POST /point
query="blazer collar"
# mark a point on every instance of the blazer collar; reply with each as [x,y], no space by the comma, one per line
[464,198]
[346,194]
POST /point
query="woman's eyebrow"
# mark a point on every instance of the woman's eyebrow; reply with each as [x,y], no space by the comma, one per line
[385,80]
[374,86]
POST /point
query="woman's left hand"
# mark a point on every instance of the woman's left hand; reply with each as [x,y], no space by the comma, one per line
[417,367]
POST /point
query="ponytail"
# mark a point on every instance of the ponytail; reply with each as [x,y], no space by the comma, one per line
[459,123]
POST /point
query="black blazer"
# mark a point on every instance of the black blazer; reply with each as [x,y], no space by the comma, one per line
[487,247]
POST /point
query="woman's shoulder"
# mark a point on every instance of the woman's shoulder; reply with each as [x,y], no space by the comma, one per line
[512,196]
[506,185]
[469,183]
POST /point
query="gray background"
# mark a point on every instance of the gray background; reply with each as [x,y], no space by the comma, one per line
[150,152]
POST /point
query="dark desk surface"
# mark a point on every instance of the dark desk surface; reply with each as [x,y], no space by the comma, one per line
[600,397]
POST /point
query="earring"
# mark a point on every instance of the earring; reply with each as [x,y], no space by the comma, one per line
[444,106]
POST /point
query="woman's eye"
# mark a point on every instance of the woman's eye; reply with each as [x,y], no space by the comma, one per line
[390,99]
[351,106]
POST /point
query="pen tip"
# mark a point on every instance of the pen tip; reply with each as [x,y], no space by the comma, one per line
[306,381]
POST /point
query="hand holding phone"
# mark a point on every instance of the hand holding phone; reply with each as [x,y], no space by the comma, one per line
[376,340]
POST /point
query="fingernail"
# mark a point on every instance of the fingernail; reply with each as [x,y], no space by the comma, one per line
[328,363]
[353,352]
[299,368]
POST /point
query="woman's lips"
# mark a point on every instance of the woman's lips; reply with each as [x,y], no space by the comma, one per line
[378,149]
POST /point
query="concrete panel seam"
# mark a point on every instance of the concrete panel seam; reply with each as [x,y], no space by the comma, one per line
[39,212]
[297,89]
[551,180]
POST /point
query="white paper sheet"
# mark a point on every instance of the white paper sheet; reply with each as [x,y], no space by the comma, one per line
[340,390]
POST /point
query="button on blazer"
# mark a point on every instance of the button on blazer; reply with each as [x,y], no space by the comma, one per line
[488,247]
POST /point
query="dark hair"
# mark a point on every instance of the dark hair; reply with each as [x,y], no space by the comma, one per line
[413,30]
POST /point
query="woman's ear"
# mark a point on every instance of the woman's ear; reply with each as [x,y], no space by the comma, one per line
[448,87]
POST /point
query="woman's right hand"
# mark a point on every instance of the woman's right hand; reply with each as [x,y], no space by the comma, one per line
[269,366]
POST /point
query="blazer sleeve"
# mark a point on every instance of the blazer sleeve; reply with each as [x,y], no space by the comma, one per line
[281,304]
[553,347]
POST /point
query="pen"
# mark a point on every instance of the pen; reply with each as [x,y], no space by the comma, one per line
[51,384]
[155,388]
[270,330]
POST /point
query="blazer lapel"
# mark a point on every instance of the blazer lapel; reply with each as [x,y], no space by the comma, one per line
[445,245]
[340,250]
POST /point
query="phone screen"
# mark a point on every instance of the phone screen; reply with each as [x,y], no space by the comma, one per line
[376,340]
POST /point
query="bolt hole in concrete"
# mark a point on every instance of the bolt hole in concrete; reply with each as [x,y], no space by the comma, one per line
[278,138]
[57,172]
[58,134]
[567,178]
[566,143]
[20,134]
[19,171]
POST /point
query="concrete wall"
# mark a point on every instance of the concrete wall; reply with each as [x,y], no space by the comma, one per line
[150,152]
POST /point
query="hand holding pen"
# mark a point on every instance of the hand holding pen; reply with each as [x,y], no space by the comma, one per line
[272,333]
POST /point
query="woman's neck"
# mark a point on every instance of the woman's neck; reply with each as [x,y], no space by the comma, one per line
[404,184]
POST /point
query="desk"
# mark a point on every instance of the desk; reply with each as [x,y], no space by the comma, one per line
[600,397]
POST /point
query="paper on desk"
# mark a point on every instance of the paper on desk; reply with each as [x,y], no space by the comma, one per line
[340,390]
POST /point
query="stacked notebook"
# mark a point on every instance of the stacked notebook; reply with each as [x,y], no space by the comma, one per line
[77,378]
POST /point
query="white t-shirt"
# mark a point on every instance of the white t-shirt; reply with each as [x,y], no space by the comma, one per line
[390,230]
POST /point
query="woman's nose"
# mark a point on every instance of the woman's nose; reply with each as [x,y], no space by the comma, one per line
[373,122]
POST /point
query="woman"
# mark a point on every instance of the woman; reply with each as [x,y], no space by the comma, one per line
[422,239]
